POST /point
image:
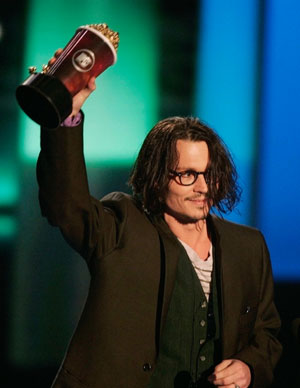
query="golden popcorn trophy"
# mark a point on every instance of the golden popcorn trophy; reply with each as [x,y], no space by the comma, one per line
[46,97]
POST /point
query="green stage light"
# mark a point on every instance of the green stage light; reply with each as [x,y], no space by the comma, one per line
[8,227]
[9,188]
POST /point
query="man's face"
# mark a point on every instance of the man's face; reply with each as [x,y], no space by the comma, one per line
[189,203]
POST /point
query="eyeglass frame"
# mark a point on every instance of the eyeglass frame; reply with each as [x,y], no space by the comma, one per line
[193,172]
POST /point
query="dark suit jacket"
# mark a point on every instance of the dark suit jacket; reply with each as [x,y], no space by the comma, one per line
[116,341]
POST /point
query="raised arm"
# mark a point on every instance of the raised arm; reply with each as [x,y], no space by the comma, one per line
[63,187]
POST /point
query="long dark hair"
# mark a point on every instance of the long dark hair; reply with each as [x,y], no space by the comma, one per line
[150,175]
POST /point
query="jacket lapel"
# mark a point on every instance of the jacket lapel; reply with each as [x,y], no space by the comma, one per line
[231,284]
[170,252]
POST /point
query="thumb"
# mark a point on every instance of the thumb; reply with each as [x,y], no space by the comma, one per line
[80,97]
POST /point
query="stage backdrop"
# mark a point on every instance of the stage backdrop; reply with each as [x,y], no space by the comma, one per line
[246,86]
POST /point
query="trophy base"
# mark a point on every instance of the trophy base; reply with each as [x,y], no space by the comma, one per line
[45,99]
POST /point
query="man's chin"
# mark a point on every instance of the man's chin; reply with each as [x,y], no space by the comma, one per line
[188,218]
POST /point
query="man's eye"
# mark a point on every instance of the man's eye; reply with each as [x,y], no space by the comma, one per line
[187,174]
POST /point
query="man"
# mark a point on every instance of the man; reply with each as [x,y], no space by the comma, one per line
[178,297]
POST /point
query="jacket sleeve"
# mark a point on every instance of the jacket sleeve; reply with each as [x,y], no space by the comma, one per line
[263,350]
[64,196]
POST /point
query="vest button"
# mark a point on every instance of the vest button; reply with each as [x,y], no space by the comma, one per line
[202,358]
[202,341]
[147,367]
[202,323]
[203,305]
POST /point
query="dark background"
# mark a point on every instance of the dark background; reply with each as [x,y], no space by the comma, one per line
[65,271]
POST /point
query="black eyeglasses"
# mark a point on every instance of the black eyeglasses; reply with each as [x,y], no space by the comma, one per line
[188,177]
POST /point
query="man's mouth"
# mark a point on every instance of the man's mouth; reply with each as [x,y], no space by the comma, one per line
[198,201]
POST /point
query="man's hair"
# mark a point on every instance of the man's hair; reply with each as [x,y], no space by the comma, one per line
[158,155]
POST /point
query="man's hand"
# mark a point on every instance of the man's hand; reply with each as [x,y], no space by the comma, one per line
[80,97]
[231,374]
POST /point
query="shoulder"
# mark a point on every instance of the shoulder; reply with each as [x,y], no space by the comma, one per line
[118,199]
[236,232]
[243,244]
[124,206]
[116,196]
[229,226]
[129,214]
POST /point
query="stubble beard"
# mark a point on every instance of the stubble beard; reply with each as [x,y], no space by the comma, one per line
[189,219]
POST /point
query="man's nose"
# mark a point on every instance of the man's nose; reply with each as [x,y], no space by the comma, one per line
[200,185]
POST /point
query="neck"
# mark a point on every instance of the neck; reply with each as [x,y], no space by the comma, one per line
[193,233]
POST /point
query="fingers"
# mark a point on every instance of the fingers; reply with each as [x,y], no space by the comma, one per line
[80,97]
[228,381]
[58,52]
[56,55]
[230,373]
[223,365]
[224,374]
[227,386]
[92,84]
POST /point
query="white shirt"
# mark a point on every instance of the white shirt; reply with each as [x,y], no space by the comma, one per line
[203,268]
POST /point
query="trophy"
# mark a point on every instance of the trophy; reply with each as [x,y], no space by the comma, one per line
[46,97]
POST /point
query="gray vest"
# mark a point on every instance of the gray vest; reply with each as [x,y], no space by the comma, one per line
[188,347]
